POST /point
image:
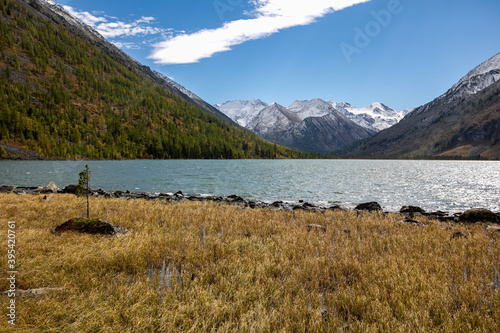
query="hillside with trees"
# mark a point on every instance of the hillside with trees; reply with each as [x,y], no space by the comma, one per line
[63,97]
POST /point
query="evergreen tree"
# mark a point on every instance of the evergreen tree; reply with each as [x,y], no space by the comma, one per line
[83,187]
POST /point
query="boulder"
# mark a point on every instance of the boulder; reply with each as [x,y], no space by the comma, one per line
[251,204]
[71,189]
[478,215]
[235,198]
[50,188]
[411,210]
[335,207]
[6,189]
[90,226]
[369,206]
[19,191]
[47,198]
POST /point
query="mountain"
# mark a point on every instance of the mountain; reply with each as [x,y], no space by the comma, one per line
[241,112]
[339,124]
[313,126]
[464,122]
[376,116]
[65,92]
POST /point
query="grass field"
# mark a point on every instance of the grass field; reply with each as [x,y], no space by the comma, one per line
[210,267]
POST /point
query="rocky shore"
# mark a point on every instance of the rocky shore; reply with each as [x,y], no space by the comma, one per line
[409,212]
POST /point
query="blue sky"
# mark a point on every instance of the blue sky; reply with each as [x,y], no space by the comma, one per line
[403,53]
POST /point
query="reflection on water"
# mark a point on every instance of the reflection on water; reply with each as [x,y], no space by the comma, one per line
[445,185]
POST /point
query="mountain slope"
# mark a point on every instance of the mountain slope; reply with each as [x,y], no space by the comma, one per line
[52,11]
[242,112]
[463,122]
[66,92]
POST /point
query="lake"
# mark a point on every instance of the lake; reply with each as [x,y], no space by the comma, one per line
[433,185]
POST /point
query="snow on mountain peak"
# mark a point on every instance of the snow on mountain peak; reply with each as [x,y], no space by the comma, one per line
[489,65]
[314,108]
[476,80]
[242,112]
[376,116]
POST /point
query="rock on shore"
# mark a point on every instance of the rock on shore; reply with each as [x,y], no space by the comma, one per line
[470,216]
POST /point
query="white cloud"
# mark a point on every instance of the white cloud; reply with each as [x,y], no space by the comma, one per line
[124,45]
[85,17]
[268,17]
[116,28]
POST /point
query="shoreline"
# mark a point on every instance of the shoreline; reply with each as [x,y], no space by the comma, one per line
[407,211]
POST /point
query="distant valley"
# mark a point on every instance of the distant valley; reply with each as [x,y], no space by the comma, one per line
[464,122]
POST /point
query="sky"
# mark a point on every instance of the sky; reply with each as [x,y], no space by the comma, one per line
[403,53]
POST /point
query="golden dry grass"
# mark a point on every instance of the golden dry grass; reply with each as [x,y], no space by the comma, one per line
[206,267]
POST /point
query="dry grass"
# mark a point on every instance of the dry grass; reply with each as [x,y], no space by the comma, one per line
[203,267]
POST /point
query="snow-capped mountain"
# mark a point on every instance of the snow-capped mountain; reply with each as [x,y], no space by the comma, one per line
[375,116]
[314,108]
[463,122]
[477,79]
[273,118]
[313,126]
[242,112]
[293,125]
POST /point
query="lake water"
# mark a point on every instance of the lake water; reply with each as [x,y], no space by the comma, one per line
[433,185]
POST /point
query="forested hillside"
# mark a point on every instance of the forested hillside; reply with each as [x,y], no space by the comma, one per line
[61,96]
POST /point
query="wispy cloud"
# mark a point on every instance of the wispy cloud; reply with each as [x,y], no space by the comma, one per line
[267,18]
[111,27]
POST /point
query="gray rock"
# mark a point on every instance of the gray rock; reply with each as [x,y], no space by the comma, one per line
[90,226]
[478,215]
[47,198]
[6,189]
[19,191]
[369,206]
[71,189]
[411,210]
[50,188]
[235,198]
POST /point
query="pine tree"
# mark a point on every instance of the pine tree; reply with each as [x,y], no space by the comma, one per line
[83,186]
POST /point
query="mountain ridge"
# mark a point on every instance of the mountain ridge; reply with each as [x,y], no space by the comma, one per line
[312,125]
[464,122]
[65,92]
